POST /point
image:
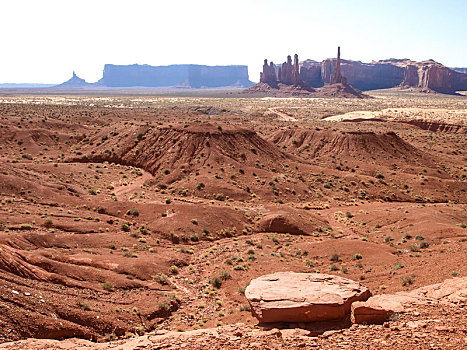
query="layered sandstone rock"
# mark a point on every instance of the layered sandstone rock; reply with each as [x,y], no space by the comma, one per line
[268,75]
[303,297]
[288,73]
[433,76]
[285,71]
[380,308]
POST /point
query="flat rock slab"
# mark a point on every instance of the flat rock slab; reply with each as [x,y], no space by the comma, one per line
[303,297]
[380,308]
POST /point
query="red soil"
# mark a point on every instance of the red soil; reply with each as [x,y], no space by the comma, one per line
[97,203]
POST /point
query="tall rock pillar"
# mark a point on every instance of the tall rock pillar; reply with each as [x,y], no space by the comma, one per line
[268,75]
[338,78]
[296,79]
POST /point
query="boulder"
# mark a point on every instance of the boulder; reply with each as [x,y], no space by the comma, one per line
[303,297]
[279,223]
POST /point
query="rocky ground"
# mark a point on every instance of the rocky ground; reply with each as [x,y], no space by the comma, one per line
[129,217]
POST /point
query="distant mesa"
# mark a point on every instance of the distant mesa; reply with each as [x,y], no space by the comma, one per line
[334,77]
[459,69]
[181,76]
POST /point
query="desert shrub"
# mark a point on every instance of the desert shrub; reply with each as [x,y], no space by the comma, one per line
[357,256]
[349,215]
[161,279]
[424,245]
[194,237]
[175,238]
[225,275]
[125,227]
[333,267]
[163,306]
[419,238]
[398,265]
[245,307]
[334,257]
[414,248]
[82,304]
[408,280]
[219,197]
[92,191]
[173,270]
[216,282]
[48,223]
[133,212]
[108,286]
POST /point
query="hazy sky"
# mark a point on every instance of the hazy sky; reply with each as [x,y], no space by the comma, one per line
[43,41]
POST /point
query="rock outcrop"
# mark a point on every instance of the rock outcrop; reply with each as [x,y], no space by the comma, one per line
[310,71]
[303,297]
[279,223]
[285,71]
[268,75]
[296,80]
[380,308]
[288,73]
[74,82]
[337,77]
[433,76]
[425,76]
[364,76]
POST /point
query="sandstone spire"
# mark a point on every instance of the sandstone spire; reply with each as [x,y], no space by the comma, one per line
[269,73]
[338,78]
[296,72]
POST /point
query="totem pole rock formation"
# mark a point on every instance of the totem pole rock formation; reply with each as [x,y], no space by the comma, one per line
[285,72]
[296,79]
[288,72]
[338,78]
[268,75]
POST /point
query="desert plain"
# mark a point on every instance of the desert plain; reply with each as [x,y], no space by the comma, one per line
[138,221]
